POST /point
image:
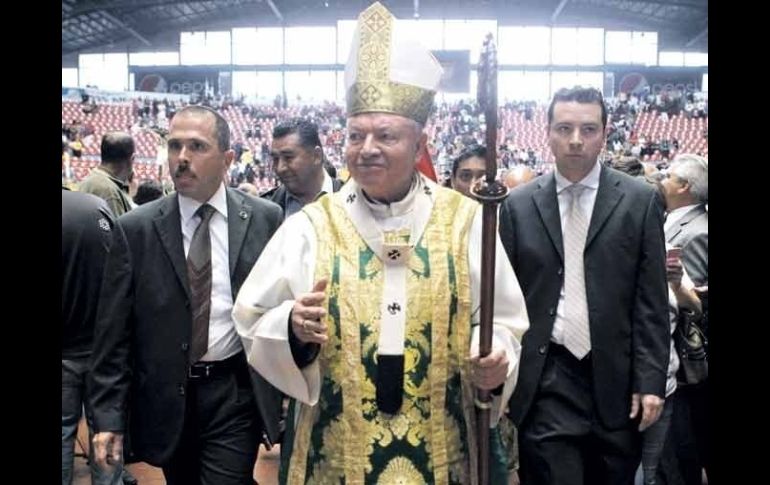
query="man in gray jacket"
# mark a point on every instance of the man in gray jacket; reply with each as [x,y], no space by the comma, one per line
[686,188]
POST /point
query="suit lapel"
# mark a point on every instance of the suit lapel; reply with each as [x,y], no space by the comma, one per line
[548,207]
[238,219]
[674,231]
[169,228]
[607,198]
[279,197]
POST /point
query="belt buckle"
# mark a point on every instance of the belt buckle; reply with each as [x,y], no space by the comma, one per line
[198,371]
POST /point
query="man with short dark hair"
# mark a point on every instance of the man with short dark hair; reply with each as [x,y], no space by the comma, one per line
[148,191]
[110,180]
[587,246]
[166,349]
[628,164]
[298,161]
[469,166]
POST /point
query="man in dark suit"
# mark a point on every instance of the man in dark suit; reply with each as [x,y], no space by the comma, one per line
[686,191]
[166,350]
[298,161]
[86,232]
[586,243]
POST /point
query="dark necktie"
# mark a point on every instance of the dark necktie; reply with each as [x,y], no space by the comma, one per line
[199,276]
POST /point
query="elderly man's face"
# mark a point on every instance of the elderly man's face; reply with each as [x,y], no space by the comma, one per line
[675,190]
[380,153]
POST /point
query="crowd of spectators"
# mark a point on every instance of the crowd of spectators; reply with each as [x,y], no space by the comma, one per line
[452,128]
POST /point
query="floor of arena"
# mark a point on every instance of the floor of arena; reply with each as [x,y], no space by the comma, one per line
[265,473]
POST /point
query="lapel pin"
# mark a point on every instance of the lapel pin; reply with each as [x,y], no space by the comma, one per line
[243,214]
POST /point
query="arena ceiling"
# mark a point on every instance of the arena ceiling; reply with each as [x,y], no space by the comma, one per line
[141,25]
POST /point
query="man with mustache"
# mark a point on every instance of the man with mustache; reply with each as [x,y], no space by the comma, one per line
[363,305]
[166,350]
[298,161]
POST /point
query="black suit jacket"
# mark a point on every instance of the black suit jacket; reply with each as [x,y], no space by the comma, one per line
[86,233]
[625,288]
[144,322]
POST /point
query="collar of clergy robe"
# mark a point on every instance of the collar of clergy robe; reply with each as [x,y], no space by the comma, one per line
[391,231]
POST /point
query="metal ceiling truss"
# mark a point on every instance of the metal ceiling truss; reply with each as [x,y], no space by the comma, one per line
[90,24]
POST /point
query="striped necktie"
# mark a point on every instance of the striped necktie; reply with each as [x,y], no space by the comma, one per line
[199,276]
[577,335]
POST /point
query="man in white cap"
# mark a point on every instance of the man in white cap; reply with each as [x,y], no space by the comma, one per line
[364,305]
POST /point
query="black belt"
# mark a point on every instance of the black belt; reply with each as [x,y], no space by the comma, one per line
[207,369]
[557,350]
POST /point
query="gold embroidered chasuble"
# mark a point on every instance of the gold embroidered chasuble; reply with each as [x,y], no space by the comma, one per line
[345,438]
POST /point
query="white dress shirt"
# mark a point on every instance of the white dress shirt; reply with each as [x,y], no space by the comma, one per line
[223,339]
[586,201]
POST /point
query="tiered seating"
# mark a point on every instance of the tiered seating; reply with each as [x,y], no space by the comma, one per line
[81,167]
[142,170]
[109,117]
[240,124]
[524,134]
[689,132]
